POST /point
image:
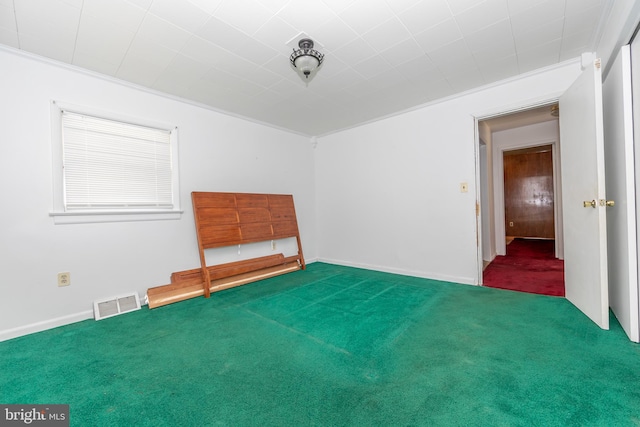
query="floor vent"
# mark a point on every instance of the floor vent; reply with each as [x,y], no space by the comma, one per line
[114,306]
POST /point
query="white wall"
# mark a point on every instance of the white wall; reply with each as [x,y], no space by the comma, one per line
[217,153]
[388,193]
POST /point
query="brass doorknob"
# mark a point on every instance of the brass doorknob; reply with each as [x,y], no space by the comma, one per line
[589,204]
[610,203]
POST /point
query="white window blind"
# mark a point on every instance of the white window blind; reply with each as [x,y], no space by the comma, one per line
[110,165]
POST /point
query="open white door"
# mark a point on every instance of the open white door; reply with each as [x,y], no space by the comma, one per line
[583,192]
[620,177]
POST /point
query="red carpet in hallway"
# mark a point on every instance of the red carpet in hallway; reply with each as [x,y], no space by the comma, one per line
[529,266]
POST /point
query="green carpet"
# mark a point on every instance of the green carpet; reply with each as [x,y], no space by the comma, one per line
[335,346]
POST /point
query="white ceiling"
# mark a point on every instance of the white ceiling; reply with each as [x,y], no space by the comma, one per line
[381,56]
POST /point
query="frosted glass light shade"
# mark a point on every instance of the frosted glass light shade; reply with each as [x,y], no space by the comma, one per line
[306,64]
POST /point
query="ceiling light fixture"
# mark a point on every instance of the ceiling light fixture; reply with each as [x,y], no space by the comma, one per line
[306,59]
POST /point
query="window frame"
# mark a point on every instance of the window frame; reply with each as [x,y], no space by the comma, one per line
[97,215]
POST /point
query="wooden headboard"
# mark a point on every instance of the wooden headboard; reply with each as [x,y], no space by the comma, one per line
[230,219]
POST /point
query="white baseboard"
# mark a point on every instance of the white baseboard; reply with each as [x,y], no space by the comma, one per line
[84,315]
[386,269]
[44,325]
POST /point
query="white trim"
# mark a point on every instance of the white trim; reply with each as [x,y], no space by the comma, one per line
[496,111]
[402,272]
[58,213]
[497,171]
[115,216]
[478,201]
[45,325]
[528,104]
[145,89]
[270,125]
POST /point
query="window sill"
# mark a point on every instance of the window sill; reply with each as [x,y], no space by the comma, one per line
[113,216]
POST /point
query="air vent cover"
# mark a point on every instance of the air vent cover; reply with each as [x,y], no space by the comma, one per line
[116,305]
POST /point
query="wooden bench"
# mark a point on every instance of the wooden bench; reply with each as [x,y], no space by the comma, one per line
[231,219]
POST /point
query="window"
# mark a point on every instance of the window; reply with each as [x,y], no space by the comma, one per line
[112,170]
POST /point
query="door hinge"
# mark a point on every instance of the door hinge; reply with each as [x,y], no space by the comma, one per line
[598,63]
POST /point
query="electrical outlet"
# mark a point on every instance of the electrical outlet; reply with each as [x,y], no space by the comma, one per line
[510,223]
[64,279]
[464,187]
[273,245]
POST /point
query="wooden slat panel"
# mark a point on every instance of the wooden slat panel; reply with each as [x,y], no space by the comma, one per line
[173,294]
[243,279]
[188,284]
[280,199]
[217,216]
[284,229]
[253,215]
[216,200]
[215,236]
[187,277]
[252,200]
[282,208]
[256,232]
[281,213]
[245,266]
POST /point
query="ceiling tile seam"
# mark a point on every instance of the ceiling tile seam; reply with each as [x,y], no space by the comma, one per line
[391,18]
[446,76]
[175,52]
[202,39]
[139,6]
[351,67]
[412,37]
[15,18]
[427,53]
[513,43]
[155,81]
[298,29]
[391,67]
[597,33]
[400,11]
[213,67]
[564,25]
[209,16]
[131,42]
[518,62]
[75,41]
[463,10]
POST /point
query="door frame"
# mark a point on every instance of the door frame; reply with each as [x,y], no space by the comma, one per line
[479,169]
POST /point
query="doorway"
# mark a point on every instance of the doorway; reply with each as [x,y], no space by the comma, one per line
[520,195]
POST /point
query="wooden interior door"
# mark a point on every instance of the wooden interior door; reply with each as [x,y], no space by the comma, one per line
[528,193]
